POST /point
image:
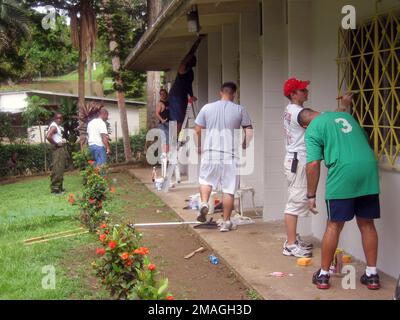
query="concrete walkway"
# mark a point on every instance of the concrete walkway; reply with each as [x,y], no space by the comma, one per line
[254,251]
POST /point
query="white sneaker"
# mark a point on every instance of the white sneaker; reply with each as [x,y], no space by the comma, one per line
[296,250]
[304,244]
[226,226]
[201,217]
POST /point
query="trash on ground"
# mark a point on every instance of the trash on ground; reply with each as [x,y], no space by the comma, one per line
[213,259]
[279,274]
[201,249]
[304,262]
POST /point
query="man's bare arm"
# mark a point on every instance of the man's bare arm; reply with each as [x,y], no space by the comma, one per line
[248,136]
[104,138]
[189,55]
[345,102]
[198,129]
[50,134]
[313,170]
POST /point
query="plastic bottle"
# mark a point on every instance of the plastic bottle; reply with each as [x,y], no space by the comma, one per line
[213,259]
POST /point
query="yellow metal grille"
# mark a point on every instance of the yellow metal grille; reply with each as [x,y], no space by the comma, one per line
[368,65]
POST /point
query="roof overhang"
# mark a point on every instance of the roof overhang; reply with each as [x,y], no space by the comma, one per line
[164,45]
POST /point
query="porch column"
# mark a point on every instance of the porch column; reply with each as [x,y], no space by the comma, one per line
[299,59]
[251,94]
[214,65]
[274,73]
[230,52]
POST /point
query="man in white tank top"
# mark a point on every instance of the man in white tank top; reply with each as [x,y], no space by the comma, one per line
[294,165]
[55,137]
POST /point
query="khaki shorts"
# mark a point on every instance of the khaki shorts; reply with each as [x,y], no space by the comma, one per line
[297,203]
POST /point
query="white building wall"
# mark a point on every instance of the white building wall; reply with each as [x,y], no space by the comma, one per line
[214,65]
[230,52]
[274,72]
[326,21]
[251,95]
[133,120]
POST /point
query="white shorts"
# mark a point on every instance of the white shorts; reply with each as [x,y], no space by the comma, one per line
[219,174]
[297,203]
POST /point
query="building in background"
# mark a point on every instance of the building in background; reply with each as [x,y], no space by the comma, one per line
[259,44]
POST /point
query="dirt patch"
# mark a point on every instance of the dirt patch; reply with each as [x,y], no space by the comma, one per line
[78,265]
[195,278]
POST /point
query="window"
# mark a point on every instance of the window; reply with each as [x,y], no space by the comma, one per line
[369,66]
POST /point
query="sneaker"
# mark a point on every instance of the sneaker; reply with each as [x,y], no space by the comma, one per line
[58,193]
[201,217]
[226,226]
[372,281]
[321,281]
[304,244]
[296,250]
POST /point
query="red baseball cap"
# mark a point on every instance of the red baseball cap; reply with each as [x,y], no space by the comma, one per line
[293,84]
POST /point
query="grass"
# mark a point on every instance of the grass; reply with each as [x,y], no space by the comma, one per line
[29,210]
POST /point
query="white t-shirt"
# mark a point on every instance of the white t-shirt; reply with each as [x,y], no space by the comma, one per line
[57,137]
[223,121]
[95,129]
[294,133]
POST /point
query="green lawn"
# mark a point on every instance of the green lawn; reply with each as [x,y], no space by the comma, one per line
[29,210]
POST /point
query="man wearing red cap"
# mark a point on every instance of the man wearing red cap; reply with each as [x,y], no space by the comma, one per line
[295,163]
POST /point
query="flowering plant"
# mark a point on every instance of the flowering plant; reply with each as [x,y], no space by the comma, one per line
[124,267]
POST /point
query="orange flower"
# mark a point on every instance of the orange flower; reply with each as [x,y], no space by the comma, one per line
[103,226]
[112,244]
[124,255]
[128,262]
[100,251]
[151,267]
[142,251]
[71,200]
[103,237]
[170,298]
[91,200]
[113,189]
[91,162]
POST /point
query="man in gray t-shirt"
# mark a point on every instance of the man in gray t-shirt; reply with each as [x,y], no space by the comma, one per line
[222,121]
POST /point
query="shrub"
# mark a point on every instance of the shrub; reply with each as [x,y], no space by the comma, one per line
[95,193]
[29,157]
[124,268]
[81,158]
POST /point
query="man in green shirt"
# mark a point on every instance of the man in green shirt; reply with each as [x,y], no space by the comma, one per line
[352,186]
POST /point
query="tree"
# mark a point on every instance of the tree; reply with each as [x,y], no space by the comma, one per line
[153,78]
[48,52]
[83,37]
[13,28]
[5,126]
[35,113]
[13,23]
[116,27]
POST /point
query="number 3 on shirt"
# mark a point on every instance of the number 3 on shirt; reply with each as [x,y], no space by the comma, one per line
[346,126]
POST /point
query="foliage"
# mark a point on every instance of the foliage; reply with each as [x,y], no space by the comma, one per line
[5,126]
[48,52]
[13,23]
[81,158]
[138,142]
[69,111]
[126,20]
[30,158]
[95,193]
[35,113]
[124,268]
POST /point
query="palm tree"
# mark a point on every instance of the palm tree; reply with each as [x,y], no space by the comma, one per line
[13,23]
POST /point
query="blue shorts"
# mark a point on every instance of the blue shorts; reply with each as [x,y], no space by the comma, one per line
[366,207]
[164,127]
[177,108]
[99,154]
